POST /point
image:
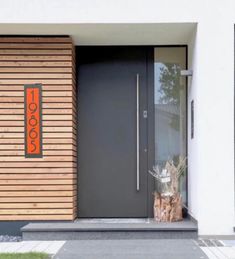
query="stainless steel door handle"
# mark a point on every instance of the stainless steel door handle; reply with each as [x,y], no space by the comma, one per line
[137,134]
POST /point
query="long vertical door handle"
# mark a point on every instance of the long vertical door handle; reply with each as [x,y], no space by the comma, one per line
[137,133]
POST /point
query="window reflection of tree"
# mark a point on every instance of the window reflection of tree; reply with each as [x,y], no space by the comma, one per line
[169,84]
[170,94]
[170,113]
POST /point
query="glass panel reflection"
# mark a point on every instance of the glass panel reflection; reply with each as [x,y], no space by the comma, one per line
[170,107]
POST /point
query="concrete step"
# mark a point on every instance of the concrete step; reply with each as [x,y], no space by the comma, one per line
[110,229]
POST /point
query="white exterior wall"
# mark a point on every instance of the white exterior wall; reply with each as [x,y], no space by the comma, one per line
[207,26]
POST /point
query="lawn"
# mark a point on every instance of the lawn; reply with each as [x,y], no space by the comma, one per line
[24,256]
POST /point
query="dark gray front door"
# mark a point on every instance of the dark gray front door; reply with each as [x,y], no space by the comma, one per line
[107,132]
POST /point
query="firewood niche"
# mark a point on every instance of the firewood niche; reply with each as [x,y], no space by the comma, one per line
[168,203]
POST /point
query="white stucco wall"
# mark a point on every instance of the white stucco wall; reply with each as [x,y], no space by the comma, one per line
[211,163]
[207,26]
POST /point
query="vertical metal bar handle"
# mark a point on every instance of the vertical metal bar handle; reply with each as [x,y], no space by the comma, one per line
[137,134]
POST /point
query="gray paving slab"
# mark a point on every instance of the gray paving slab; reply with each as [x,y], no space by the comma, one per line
[131,249]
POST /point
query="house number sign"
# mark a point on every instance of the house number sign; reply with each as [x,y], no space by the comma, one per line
[33,120]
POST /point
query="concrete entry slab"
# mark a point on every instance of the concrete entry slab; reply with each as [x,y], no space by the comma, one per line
[110,229]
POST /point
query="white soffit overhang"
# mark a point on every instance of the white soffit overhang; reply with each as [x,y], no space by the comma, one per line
[111,33]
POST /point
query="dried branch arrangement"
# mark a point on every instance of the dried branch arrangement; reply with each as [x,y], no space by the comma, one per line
[167,199]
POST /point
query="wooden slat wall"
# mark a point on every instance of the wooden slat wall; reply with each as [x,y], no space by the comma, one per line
[38,188]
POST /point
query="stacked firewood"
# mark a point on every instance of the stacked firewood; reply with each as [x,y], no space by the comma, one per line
[168,202]
[167,208]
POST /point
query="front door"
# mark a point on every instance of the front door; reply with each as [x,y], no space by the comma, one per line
[112,132]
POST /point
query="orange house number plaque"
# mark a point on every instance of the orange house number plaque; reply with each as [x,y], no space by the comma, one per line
[33,120]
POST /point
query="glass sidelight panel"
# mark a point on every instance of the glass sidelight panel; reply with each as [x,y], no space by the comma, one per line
[170,107]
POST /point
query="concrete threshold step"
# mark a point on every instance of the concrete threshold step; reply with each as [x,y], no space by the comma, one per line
[109,229]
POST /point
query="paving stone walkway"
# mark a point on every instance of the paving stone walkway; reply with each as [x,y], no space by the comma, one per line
[127,249]
[223,249]
[131,249]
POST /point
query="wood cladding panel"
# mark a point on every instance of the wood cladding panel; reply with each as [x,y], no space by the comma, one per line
[38,188]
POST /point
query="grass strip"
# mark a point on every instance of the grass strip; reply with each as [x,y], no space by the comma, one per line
[31,255]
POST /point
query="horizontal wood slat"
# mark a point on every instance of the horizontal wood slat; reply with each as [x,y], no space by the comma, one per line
[35,193]
[45,129]
[50,88]
[36,205]
[44,111]
[45,135]
[45,153]
[44,94]
[45,99]
[59,217]
[46,147]
[40,183]
[45,141]
[36,164]
[35,58]
[18,81]
[6,123]
[35,211]
[44,159]
[59,52]
[37,170]
[38,188]
[35,70]
[37,176]
[36,76]
[35,39]
[44,105]
[35,46]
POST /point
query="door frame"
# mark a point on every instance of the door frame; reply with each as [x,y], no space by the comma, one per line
[150,118]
